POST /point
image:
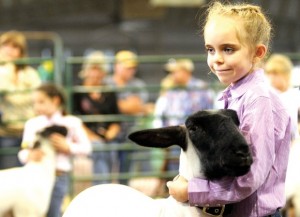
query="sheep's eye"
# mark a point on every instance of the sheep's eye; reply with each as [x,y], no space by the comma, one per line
[193,128]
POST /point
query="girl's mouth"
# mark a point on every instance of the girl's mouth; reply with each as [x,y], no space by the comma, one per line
[222,71]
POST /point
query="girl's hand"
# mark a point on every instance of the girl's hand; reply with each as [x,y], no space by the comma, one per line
[178,188]
[60,144]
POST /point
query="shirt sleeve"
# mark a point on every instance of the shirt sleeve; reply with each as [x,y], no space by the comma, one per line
[80,143]
[257,124]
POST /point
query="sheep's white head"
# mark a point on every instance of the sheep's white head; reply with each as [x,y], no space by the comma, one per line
[211,135]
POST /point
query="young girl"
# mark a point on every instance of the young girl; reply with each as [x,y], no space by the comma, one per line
[49,102]
[237,38]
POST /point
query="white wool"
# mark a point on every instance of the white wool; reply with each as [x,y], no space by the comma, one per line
[27,190]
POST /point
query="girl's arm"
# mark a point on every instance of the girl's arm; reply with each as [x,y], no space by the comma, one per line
[112,131]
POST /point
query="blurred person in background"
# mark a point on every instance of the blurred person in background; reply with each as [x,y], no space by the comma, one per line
[183,96]
[102,133]
[16,82]
[130,102]
[49,104]
[124,75]
[278,69]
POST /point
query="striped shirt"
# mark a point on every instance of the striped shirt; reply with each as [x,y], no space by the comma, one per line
[174,105]
[266,126]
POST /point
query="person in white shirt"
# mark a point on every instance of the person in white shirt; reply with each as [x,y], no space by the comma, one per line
[278,69]
[17,80]
[49,102]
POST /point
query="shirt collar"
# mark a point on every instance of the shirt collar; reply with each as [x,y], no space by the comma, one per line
[239,88]
[55,118]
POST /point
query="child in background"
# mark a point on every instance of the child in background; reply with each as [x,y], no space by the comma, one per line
[237,39]
[278,69]
[49,102]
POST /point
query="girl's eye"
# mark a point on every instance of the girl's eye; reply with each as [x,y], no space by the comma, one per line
[228,50]
[210,50]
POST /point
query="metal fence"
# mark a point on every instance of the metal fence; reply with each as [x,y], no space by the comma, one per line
[82,175]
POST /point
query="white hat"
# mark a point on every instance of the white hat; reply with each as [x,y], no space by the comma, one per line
[94,59]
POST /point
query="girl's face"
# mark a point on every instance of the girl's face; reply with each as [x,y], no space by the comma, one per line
[9,51]
[44,105]
[228,58]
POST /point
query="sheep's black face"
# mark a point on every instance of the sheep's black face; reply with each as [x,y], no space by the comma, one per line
[219,145]
[46,132]
[222,149]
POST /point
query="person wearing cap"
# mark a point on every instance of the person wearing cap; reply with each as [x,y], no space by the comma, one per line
[102,133]
[130,102]
[125,68]
[181,73]
[183,96]
[16,81]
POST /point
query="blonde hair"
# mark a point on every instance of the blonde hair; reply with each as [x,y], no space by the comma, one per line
[279,63]
[257,27]
[17,39]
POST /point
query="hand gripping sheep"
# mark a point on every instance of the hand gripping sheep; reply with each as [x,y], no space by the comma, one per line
[26,191]
[212,147]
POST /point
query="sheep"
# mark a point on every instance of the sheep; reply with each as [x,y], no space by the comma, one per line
[212,147]
[292,182]
[26,191]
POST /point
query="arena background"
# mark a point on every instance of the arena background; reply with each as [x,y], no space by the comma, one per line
[149,27]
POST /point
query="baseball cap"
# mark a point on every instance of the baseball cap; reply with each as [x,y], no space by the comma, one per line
[174,64]
[127,58]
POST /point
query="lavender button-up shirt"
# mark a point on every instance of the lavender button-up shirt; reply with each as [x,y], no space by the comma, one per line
[266,126]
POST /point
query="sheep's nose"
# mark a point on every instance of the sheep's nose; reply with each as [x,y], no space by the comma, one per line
[247,161]
[245,157]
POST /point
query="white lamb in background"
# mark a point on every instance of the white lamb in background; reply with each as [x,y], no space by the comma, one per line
[212,147]
[292,184]
[26,191]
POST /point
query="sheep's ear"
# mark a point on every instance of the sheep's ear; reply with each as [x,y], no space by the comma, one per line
[160,137]
[46,132]
[232,114]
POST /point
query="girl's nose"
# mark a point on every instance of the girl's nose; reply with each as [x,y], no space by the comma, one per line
[218,58]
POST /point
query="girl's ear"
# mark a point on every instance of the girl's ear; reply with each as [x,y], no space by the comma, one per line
[260,52]
[56,100]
